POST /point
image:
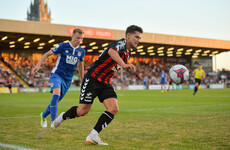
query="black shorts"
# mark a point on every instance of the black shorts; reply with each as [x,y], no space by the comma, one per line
[198,81]
[91,88]
[170,82]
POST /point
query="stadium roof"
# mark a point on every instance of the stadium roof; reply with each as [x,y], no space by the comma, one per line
[43,36]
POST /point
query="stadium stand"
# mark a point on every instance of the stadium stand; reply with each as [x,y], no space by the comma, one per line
[5,73]
[150,70]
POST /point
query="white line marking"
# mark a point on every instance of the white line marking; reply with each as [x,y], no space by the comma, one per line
[14,147]
[19,117]
[168,108]
[174,96]
[137,110]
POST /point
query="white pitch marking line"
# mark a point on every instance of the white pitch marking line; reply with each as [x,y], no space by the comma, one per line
[168,108]
[136,110]
[13,147]
[18,117]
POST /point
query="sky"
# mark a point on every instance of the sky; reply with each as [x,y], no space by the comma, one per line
[194,18]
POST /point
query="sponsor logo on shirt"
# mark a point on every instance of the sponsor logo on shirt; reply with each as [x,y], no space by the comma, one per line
[89,95]
[71,60]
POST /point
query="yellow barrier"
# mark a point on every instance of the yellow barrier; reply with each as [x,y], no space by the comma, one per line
[6,90]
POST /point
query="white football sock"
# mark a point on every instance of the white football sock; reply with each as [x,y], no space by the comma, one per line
[94,133]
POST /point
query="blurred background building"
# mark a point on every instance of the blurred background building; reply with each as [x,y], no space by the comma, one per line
[39,11]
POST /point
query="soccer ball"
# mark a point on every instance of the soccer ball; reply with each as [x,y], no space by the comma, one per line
[178,74]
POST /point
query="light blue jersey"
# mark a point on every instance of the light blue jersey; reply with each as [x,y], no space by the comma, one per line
[145,81]
[163,77]
[68,57]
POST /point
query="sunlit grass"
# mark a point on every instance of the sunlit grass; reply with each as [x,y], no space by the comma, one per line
[147,120]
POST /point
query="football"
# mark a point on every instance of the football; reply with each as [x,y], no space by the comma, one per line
[178,74]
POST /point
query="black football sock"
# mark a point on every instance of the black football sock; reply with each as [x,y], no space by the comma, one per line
[103,121]
[71,113]
[195,89]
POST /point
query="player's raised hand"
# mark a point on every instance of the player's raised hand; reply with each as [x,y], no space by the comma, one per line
[43,58]
[131,66]
[35,69]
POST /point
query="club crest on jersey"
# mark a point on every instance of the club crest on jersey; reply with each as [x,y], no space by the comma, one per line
[71,60]
[66,51]
[79,53]
[180,73]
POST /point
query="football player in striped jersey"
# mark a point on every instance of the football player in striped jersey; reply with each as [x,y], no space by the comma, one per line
[97,82]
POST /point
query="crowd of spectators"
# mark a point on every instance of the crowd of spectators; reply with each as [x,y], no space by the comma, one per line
[5,74]
[22,66]
[149,71]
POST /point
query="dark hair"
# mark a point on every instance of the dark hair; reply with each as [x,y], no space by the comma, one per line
[133,28]
[78,31]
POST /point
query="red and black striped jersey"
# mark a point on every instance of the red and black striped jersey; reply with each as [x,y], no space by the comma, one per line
[104,67]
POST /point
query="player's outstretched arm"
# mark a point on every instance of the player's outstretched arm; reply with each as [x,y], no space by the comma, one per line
[43,58]
[115,56]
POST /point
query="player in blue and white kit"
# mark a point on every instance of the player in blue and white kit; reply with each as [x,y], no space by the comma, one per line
[163,78]
[69,54]
[145,80]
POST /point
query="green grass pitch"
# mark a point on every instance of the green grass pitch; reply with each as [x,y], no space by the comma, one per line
[174,120]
